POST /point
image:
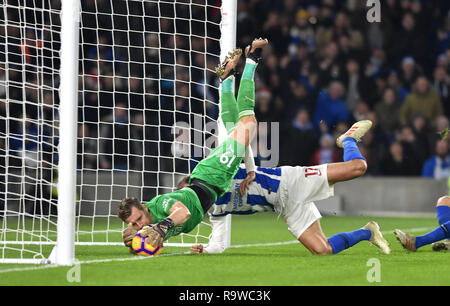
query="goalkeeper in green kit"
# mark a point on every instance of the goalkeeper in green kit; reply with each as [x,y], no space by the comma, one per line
[182,210]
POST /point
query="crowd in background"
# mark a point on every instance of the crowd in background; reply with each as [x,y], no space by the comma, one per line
[326,67]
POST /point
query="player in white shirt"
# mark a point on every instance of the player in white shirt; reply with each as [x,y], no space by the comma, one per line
[289,191]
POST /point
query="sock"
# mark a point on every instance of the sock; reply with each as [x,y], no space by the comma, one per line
[249,70]
[443,214]
[342,241]
[227,85]
[442,232]
[351,150]
[246,95]
[229,109]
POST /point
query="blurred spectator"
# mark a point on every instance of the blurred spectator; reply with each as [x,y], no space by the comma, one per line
[423,100]
[387,112]
[299,97]
[411,148]
[409,72]
[263,108]
[114,137]
[376,65]
[439,127]
[87,148]
[408,39]
[341,128]
[438,165]
[326,153]
[330,107]
[276,30]
[442,87]
[353,84]
[361,111]
[442,40]
[395,164]
[394,83]
[302,31]
[330,67]
[374,143]
[299,140]
[421,133]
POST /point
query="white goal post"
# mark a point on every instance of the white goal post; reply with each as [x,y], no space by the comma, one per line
[93,98]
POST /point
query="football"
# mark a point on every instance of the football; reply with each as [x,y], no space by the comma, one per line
[141,246]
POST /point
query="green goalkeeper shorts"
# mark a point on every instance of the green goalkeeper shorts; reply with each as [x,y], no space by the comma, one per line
[221,165]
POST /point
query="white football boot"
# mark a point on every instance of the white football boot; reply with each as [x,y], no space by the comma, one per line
[377,238]
[357,131]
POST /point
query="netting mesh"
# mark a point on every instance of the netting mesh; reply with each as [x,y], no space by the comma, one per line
[147,109]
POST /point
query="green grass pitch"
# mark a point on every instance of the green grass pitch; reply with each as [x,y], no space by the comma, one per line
[253,263]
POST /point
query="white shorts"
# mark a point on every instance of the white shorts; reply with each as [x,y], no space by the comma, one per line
[299,188]
[301,218]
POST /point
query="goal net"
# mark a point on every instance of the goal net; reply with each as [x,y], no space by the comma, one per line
[147,113]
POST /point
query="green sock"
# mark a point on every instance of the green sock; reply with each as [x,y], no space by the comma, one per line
[246,95]
[229,109]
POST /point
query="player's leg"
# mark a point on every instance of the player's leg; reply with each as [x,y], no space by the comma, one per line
[443,209]
[304,223]
[370,232]
[412,243]
[354,164]
[443,216]
[219,168]
[316,242]
[228,105]
[246,127]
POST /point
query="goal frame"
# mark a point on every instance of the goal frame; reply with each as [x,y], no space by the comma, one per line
[63,253]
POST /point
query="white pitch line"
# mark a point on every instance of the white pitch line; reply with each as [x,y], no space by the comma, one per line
[42,267]
[84,262]
[262,244]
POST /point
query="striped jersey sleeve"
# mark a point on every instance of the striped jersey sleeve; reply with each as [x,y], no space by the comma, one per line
[262,194]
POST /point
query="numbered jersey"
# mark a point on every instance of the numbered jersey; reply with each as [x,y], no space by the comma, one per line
[219,168]
[275,189]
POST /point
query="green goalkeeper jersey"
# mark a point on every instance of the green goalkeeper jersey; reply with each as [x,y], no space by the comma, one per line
[159,208]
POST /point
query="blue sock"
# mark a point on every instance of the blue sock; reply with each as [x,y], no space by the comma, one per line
[351,150]
[442,232]
[443,214]
[342,241]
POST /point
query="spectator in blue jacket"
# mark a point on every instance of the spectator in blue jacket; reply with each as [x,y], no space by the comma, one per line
[330,107]
[438,165]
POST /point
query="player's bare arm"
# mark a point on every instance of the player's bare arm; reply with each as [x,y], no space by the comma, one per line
[179,214]
[243,187]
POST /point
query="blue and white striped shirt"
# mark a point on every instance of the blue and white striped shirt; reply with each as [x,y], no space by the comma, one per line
[262,194]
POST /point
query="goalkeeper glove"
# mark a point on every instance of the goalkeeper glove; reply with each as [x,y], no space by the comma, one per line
[128,235]
[158,232]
